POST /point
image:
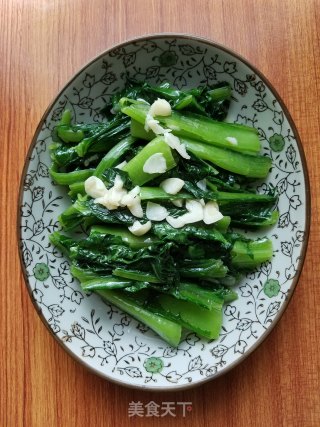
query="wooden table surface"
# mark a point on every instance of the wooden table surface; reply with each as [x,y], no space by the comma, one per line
[42,44]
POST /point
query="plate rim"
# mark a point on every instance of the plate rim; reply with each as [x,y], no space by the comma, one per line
[304,247]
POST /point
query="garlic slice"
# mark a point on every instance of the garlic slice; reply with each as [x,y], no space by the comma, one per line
[106,202]
[146,123]
[172,185]
[211,213]
[195,212]
[139,229]
[155,164]
[176,222]
[156,212]
[118,183]
[94,187]
[160,107]
[131,197]
[115,195]
[155,127]
[174,143]
[136,209]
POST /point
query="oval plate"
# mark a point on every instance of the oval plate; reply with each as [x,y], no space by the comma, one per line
[98,335]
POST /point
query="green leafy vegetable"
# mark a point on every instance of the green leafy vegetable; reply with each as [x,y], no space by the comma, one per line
[170,277]
[189,125]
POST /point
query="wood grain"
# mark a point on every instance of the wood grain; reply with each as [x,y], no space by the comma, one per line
[42,43]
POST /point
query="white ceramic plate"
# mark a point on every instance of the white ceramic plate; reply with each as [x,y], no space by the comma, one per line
[100,336]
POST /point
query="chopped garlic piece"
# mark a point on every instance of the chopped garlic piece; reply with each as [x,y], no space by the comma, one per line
[155,164]
[111,198]
[121,165]
[160,107]
[136,208]
[106,202]
[176,222]
[131,197]
[115,195]
[146,123]
[172,185]
[135,191]
[174,143]
[194,214]
[95,187]
[172,140]
[195,211]
[183,152]
[192,205]
[133,194]
[127,200]
[232,140]
[156,212]
[202,184]
[155,127]
[211,213]
[139,229]
[118,183]
[178,203]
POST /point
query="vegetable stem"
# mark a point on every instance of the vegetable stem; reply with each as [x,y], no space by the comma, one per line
[112,157]
[248,255]
[68,178]
[135,166]
[169,330]
[240,163]
[190,125]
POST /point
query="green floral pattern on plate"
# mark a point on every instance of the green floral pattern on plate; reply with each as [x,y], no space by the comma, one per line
[277,142]
[271,288]
[153,365]
[41,271]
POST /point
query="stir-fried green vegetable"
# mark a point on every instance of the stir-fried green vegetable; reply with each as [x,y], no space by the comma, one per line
[164,254]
